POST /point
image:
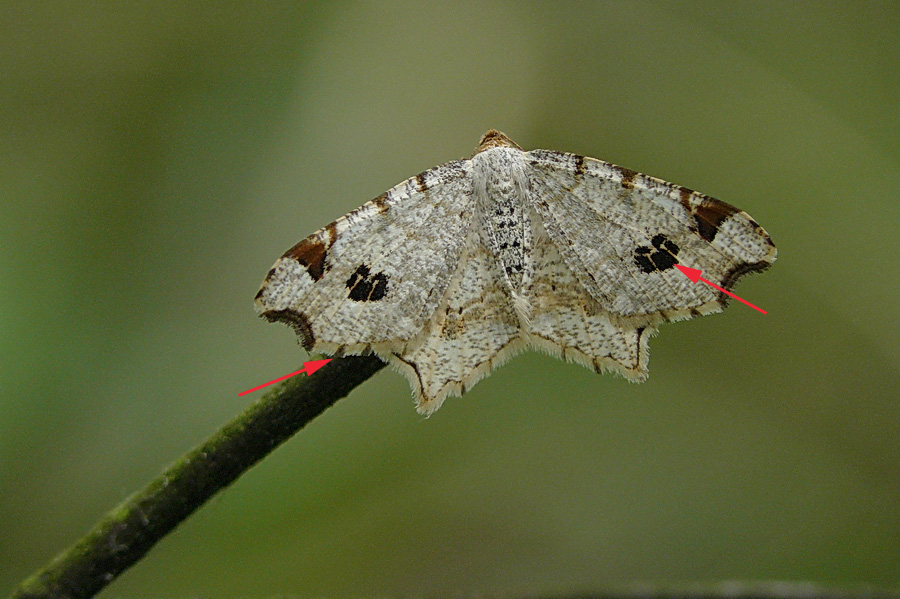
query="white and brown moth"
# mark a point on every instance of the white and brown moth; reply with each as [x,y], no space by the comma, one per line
[459,268]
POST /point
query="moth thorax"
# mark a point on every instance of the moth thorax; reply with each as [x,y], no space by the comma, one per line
[508,229]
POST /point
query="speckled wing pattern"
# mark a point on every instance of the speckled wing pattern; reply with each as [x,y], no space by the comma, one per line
[372,278]
[453,271]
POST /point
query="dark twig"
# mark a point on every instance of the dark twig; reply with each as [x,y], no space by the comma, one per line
[127,532]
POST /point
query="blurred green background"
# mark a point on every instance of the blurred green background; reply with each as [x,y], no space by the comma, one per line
[158,157]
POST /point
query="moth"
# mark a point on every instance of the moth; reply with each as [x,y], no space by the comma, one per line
[457,269]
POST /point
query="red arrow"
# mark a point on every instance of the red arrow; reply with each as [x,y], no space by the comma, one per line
[308,368]
[694,275]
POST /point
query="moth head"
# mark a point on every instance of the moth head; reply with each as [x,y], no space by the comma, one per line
[494,139]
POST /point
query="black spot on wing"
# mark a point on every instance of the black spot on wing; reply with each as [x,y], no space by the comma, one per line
[366,287]
[663,260]
[659,257]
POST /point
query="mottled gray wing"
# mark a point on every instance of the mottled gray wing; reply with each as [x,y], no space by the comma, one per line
[474,329]
[376,275]
[622,233]
[567,322]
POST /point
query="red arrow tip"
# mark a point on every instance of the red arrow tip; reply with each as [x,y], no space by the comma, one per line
[311,367]
[692,273]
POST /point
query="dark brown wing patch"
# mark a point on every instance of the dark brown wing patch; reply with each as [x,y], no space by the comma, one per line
[708,214]
[297,321]
[312,252]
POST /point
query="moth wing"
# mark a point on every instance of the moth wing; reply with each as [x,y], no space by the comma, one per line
[621,233]
[474,329]
[372,278]
[567,322]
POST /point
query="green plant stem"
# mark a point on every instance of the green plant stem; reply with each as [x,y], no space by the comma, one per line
[128,532]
